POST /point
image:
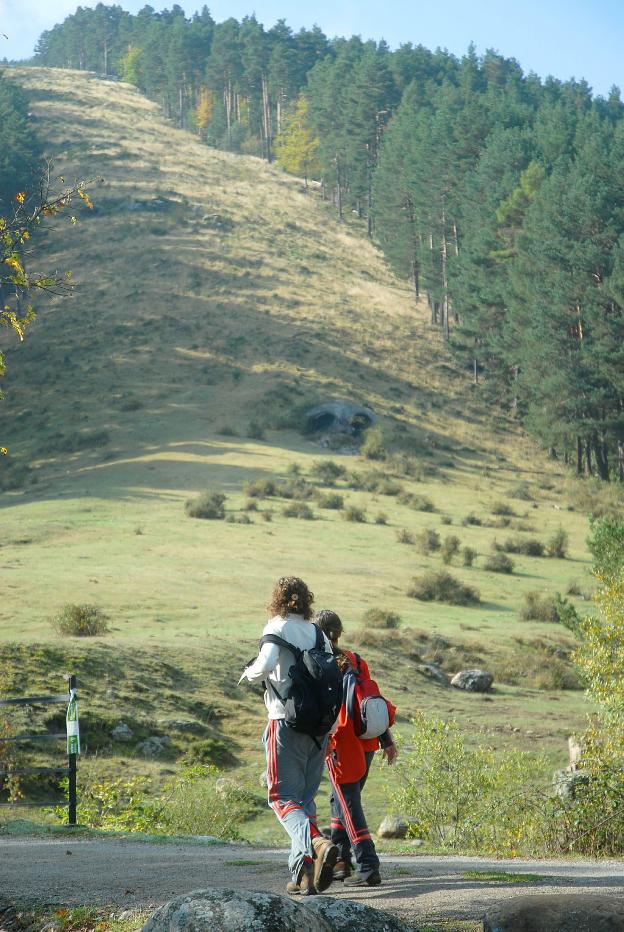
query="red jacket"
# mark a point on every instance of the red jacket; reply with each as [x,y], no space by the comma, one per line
[349,759]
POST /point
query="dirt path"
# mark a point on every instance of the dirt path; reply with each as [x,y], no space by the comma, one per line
[132,874]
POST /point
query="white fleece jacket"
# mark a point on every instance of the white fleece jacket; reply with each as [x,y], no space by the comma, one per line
[273,662]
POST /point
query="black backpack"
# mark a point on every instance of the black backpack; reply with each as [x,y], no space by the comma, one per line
[313,699]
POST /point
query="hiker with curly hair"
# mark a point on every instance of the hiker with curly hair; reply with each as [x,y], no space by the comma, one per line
[348,762]
[294,759]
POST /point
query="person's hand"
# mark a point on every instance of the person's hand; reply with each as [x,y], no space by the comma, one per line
[391,753]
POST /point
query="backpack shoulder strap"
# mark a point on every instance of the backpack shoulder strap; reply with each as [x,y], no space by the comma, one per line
[358,663]
[320,639]
[280,642]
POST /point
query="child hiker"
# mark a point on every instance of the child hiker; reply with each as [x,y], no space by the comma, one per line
[348,762]
[295,758]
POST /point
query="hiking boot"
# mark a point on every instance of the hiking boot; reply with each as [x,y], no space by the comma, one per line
[304,885]
[371,879]
[342,870]
[326,856]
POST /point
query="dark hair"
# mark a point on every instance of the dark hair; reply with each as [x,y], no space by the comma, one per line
[329,623]
[291,596]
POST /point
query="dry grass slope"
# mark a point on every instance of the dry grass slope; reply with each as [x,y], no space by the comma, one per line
[216,297]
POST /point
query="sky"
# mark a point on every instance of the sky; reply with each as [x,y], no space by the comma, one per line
[565,38]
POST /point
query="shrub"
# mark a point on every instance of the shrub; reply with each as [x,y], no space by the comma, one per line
[251,505]
[261,488]
[446,519]
[529,547]
[502,508]
[404,536]
[255,430]
[557,545]
[469,555]
[428,541]
[417,502]
[442,587]
[381,518]
[80,621]
[380,618]
[296,488]
[353,513]
[461,797]
[574,588]
[331,500]
[499,563]
[327,471]
[521,491]
[208,505]
[472,519]
[538,607]
[267,514]
[298,510]
[450,547]
[373,447]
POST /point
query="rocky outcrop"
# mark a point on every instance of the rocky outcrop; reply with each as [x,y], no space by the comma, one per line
[574,912]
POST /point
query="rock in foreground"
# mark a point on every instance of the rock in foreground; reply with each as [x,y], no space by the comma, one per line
[346,916]
[249,911]
[574,912]
[233,911]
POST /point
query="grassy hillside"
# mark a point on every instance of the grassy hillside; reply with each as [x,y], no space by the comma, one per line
[216,300]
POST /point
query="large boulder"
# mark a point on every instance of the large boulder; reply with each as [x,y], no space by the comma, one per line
[474,681]
[338,417]
[122,732]
[433,672]
[234,911]
[562,912]
[394,826]
[346,915]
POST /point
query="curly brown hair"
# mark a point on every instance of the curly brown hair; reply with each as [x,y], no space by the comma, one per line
[291,596]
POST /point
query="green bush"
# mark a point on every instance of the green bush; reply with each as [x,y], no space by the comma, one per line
[462,798]
[189,804]
[442,587]
[404,536]
[380,618]
[261,488]
[330,500]
[298,510]
[381,518]
[327,471]
[417,502]
[538,607]
[499,563]
[428,541]
[502,508]
[521,491]
[373,446]
[353,513]
[80,621]
[557,545]
[255,430]
[296,488]
[450,548]
[529,547]
[209,505]
[469,555]
[472,519]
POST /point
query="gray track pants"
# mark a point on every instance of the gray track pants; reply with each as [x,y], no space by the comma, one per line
[294,771]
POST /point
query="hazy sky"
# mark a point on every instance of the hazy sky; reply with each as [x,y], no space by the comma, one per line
[566,38]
